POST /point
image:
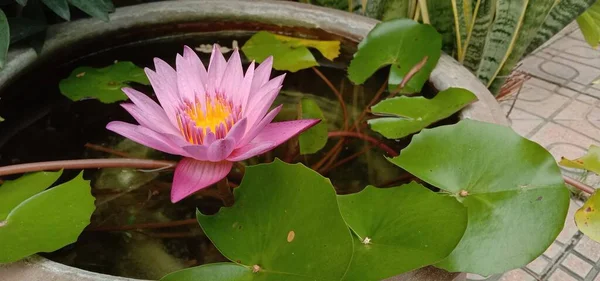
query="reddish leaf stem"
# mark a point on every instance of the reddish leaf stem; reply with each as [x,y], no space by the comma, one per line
[107,150]
[368,138]
[86,164]
[579,185]
[337,93]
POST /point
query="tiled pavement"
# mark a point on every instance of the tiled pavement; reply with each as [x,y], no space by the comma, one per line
[559,107]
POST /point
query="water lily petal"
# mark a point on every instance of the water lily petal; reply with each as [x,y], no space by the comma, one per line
[238,130]
[232,79]
[243,93]
[145,137]
[258,112]
[191,76]
[150,120]
[263,96]
[271,136]
[262,74]
[209,138]
[198,152]
[216,68]
[220,149]
[192,175]
[165,87]
[251,132]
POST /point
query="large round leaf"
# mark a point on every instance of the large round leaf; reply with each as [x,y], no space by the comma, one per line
[212,272]
[516,198]
[47,221]
[285,222]
[399,229]
[402,44]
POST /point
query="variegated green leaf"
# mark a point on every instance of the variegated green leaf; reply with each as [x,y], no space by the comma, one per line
[473,51]
[536,13]
[395,9]
[442,18]
[460,22]
[502,38]
[561,14]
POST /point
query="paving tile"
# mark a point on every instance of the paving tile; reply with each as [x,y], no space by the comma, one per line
[516,275]
[538,265]
[559,69]
[577,35]
[570,228]
[532,64]
[567,91]
[576,86]
[566,43]
[560,275]
[577,265]
[584,74]
[525,127]
[551,135]
[588,248]
[594,91]
[582,126]
[533,92]
[576,110]
[581,58]
[587,99]
[517,113]
[553,251]
[544,108]
[550,51]
[567,150]
[541,83]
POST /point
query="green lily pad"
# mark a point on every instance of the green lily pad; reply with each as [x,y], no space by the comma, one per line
[47,221]
[285,223]
[587,217]
[513,190]
[400,229]
[13,193]
[315,138]
[288,53]
[213,271]
[401,43]
[103,84]
[409,115]
[590,161]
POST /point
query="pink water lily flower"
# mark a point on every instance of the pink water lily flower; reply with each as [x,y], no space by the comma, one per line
[210,117]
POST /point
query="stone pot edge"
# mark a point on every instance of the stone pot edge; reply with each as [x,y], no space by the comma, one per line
[448,72]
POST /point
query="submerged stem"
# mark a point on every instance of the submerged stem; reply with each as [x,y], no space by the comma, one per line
[368,138]
[151,225]
[338,95]
[86,164]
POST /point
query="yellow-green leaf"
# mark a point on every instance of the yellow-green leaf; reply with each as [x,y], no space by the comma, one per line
[590,161]
[329,49]
[288,53]
[587,217]
[589,23]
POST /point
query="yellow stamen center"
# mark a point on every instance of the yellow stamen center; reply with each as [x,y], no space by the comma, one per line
[216,113]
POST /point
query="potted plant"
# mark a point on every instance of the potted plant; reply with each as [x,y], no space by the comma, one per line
[283,220]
